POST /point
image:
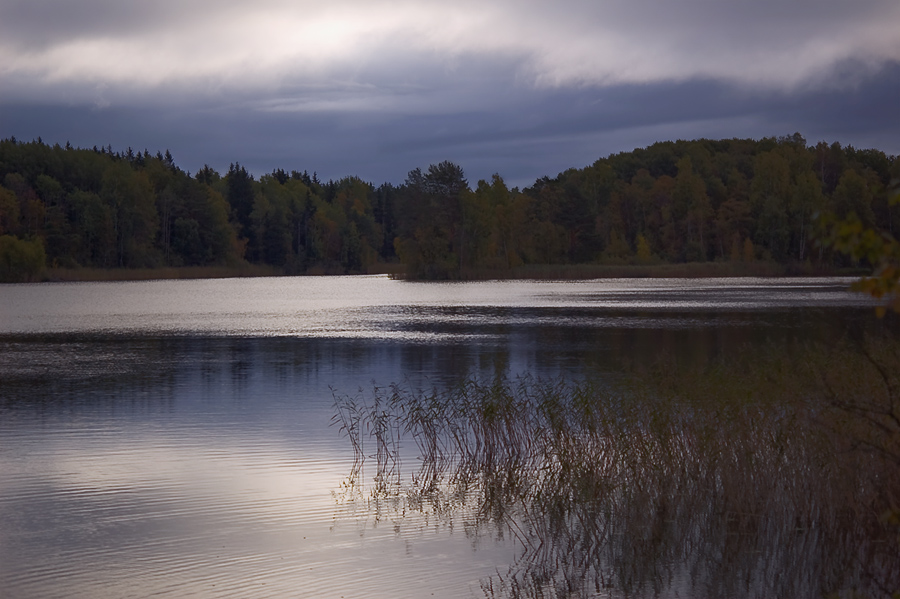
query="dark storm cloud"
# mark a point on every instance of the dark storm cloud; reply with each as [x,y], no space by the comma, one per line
[535,134]
[375,88]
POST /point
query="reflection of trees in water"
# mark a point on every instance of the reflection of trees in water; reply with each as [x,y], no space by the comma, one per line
[47,372]
[616,496]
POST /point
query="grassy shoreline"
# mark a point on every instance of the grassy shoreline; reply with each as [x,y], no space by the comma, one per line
[571,272]
[688,270]
[72,275]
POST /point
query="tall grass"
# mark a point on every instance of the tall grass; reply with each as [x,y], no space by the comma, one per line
[751,479]
[655,270]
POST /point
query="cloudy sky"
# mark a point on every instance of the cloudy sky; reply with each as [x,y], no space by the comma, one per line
[376,88]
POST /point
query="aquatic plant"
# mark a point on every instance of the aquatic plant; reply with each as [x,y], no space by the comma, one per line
[748,480]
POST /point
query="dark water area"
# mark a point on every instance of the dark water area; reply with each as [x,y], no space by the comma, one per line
[177,438]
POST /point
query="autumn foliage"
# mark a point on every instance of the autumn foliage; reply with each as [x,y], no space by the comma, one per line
[735,201]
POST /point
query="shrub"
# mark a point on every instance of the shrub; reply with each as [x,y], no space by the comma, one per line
[21,260]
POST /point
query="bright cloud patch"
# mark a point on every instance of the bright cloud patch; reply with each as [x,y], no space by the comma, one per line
[205,47]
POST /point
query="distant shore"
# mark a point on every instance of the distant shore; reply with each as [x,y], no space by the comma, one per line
[687,270]
[535,271]
[60,275]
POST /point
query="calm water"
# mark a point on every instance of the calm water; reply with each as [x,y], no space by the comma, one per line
[174,438]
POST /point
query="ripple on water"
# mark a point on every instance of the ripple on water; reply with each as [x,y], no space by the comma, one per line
[173,438]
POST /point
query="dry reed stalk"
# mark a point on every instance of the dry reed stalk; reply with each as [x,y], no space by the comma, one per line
[648,491]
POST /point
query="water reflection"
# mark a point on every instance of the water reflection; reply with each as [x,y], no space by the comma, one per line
[174,438]
[612,495]
[198,467]
[378,307]
[443,344]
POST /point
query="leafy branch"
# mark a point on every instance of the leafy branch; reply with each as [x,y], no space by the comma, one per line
[879,248]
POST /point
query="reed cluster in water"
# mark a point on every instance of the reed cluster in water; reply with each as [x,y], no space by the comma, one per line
[760,479]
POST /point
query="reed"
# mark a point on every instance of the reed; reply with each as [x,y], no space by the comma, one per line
[748,480]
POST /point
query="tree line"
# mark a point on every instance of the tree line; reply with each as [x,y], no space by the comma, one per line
[681,201]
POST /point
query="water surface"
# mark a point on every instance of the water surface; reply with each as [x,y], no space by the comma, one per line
[174,438]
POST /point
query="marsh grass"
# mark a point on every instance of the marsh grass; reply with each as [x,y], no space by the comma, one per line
[655,270]
[765,477]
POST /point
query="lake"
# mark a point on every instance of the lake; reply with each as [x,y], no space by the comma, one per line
[177,438]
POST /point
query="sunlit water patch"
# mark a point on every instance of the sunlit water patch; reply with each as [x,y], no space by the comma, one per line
[372,307]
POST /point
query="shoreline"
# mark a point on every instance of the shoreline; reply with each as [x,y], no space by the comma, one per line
[659,270]
[686,270]
[572,272]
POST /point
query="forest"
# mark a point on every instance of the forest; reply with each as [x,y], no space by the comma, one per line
[734,201]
